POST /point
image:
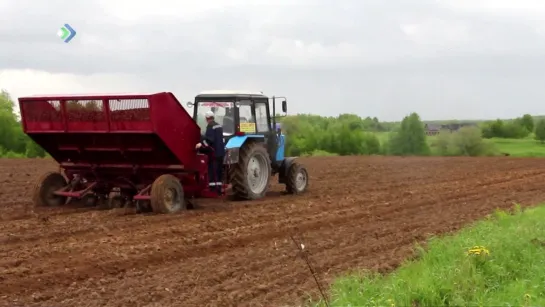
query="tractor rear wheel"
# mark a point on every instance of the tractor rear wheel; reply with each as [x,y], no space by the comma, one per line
[167,195]
[250,177]
[296,179]
[43,196]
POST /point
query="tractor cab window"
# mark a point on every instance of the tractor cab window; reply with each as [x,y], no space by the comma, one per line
[247,121]
[261,117]
[245,111]
[223,115]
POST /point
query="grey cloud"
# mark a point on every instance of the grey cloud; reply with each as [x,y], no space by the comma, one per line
[497,71]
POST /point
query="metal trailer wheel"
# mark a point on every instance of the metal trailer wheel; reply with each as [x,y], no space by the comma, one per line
[297,179]
[42,195]
[250,177]
[167,195]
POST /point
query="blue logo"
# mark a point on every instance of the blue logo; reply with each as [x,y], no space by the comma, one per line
[66,33]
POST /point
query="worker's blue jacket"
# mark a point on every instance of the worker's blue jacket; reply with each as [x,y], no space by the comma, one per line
[213,137]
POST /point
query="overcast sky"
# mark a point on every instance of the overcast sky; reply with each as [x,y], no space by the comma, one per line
[444,59]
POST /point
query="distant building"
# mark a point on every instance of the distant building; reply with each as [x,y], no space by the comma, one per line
[432,129]
[456,127]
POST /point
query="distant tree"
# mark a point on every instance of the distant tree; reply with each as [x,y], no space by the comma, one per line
[9,126]
[527,121]
[493,129]
[540,130]
[467,141]
[515,130]
[353,121]
[410,138]
[13,142]
[502,129]
[6,103]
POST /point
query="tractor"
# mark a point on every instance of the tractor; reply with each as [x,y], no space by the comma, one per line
[254,143]
[138,150]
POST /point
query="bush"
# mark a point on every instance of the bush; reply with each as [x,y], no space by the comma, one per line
[410,138]
[343,135]
[33,150]
[540,130]
[468,141]
[372,144]
[527,121]
[516,129]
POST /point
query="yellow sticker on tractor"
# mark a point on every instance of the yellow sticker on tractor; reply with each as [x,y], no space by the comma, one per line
[247,127]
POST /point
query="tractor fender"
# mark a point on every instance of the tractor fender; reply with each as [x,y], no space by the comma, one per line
[233,146]
[284,167]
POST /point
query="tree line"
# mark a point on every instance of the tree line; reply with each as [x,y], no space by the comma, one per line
[351,135]
[521,127]
[13,142]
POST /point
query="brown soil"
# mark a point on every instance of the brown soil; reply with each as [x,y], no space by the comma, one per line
[359,213]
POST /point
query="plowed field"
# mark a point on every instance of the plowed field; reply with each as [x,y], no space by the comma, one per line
[359,213]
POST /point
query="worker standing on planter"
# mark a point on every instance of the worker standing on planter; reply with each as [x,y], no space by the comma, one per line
[212,143]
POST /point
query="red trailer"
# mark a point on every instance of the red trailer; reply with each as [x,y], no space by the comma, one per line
[140,147]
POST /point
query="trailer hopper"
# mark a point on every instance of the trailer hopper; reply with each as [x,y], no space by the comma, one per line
[112,130]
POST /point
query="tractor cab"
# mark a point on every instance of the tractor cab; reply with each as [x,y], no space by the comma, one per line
[239,113]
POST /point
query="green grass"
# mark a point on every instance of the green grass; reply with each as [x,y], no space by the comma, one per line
[320,153]
[527,147]
[513,273]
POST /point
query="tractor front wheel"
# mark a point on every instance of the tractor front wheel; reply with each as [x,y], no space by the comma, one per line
[167,195]
[296,179]
[250,177]
[43,193]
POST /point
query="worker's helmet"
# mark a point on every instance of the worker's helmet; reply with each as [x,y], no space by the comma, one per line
[209,114]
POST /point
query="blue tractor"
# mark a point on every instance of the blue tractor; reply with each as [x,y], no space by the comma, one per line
[255,144]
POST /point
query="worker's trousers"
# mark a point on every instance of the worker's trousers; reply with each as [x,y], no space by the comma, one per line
[215,174]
